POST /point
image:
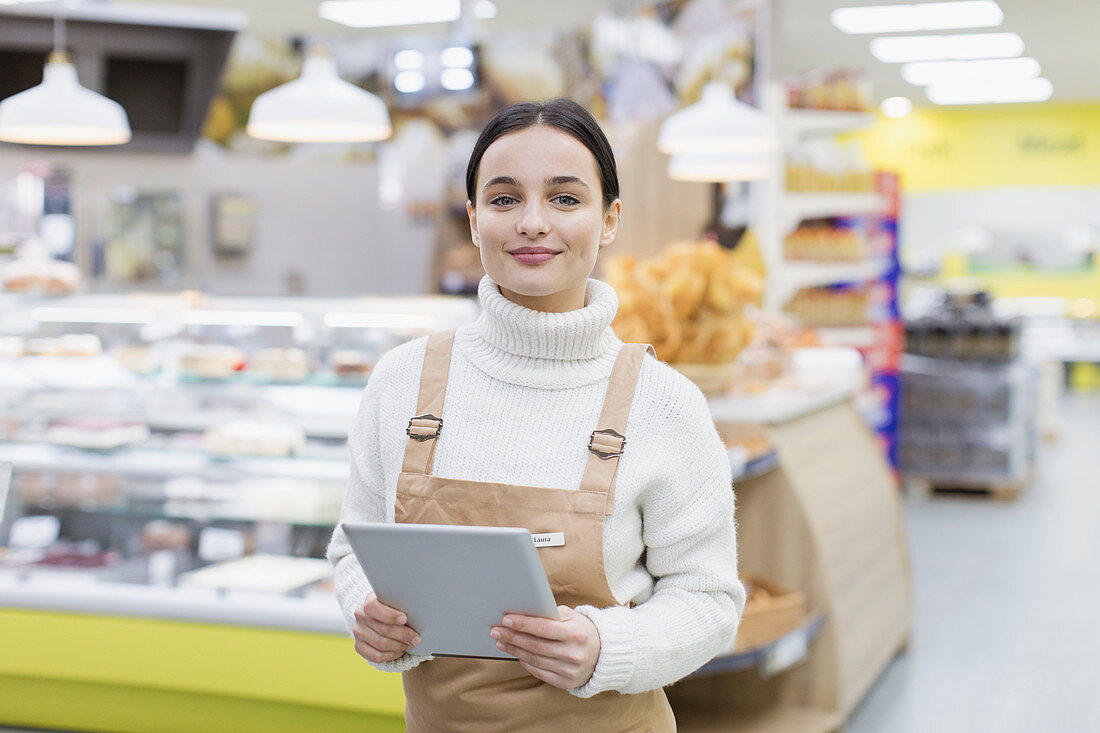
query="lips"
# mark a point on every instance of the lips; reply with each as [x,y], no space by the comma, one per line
[533,255]
[533,251]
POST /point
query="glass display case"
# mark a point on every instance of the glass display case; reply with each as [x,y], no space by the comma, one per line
[184,456]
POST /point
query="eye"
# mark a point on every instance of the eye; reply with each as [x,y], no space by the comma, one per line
[502,200]
[565,199]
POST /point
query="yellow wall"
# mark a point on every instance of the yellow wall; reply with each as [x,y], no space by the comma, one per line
[939,149]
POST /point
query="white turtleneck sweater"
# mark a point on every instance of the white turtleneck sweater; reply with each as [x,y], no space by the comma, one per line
[524,393]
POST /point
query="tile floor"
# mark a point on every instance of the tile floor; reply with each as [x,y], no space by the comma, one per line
[1005,635]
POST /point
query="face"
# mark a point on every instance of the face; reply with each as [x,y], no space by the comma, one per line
[539,218]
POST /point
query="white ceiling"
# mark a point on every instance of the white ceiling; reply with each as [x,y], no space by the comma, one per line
[1061,34]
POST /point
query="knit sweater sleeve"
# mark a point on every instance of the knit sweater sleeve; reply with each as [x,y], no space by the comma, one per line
[364,501]
[690,542]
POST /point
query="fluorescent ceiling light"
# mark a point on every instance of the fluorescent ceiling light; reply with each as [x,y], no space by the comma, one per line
[456,79]
[457,56]
[408,82]
[923,73]
[901,49]
[485,9]
[970,92]
[897,107]
[410,58]
[924,17]
[382,13]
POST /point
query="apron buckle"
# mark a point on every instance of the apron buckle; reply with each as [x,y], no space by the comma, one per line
[424,427]
[608,447]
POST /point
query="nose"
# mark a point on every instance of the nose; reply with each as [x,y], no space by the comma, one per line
[532,222]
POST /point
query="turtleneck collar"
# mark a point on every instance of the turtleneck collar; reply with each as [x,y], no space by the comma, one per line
[538,349]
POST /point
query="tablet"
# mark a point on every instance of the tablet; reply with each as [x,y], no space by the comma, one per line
[454,583]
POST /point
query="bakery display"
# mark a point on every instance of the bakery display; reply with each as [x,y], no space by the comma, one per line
[96,433]
[211,361]
[75,344]
[280,365]
[826,243]
[688,302]
[253,438]
[40,275]
[351,364]
[138,358]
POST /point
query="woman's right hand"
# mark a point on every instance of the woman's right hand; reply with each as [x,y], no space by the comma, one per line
[381,633]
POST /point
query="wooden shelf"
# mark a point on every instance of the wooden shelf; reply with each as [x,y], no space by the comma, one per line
[772,720]
[801,122]
[771,658]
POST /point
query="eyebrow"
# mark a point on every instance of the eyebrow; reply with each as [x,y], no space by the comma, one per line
[549,182]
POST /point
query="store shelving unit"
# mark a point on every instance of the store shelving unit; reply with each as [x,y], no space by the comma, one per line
[781,211]
[832,506]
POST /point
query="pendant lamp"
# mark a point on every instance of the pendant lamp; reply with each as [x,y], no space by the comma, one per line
[319,106]
[719,168]
[61,112]
[718,124]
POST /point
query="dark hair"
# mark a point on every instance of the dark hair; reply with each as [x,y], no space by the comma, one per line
[564,114]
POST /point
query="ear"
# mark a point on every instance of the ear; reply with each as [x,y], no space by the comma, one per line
[472,213]
[611,223]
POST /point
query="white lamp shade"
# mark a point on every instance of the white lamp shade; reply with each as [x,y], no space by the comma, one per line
[718,123]
[719,168]
[319,106]
[61,112]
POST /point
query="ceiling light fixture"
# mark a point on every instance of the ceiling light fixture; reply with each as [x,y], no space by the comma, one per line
[319,107]
[456,79]
[409,82]
[485,9]
[59,111]
[897,107]
[924,73]
[409,58]
[384,13]
[457,56]
[718,123]
[1004,92]
[965,46]
[923,17]
[709,167]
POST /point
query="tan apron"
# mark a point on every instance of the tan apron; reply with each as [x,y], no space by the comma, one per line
[485,696]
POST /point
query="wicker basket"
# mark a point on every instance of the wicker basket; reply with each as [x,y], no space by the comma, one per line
[766,619]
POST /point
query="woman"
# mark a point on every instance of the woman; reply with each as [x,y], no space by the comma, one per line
[540,394]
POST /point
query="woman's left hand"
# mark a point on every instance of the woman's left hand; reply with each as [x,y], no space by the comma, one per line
[560,653]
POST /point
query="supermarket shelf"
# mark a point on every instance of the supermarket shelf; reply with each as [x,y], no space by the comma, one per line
[770,720]
[855,336]
[757,467]
[772,658]
[318,613]
[802,122]
[795,275]
[799,206]
[150,462]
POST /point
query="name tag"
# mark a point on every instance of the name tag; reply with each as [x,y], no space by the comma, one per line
[549,539]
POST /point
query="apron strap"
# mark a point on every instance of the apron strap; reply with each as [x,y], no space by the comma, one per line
[426,426]
[607,441]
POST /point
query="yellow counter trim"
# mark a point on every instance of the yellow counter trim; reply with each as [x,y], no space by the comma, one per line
[116,673]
